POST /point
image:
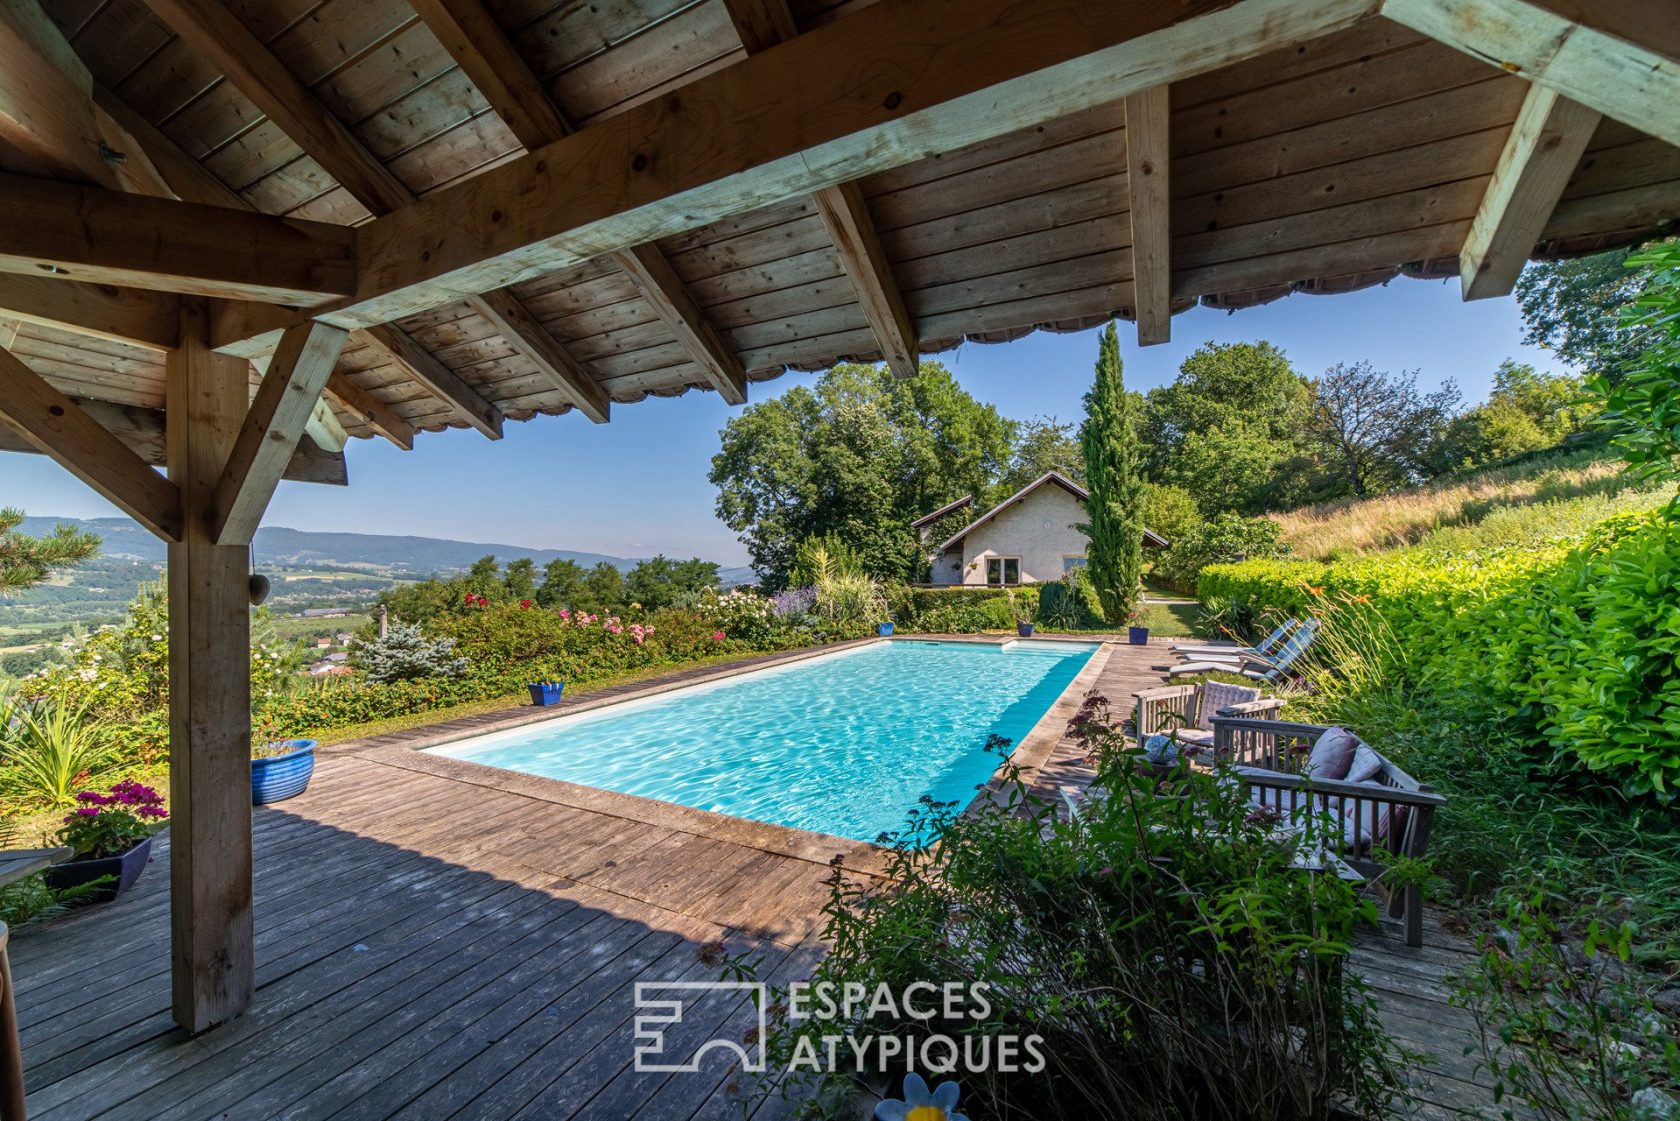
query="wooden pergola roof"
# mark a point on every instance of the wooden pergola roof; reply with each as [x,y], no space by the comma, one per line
[1339,148]
[235,234]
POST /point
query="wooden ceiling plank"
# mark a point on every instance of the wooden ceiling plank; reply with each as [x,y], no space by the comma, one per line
[1148,163]
[187,179]
[288,396]
[761,24]
[125,315]
[1540,155]
[478,43]
[439,380]
[804,124]
[1622,59]
[223,38]
[539,346]
[373,412]
[54,228]
[57,426]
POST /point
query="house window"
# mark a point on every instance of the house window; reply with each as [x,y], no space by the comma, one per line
[1003,570]
[1071,563]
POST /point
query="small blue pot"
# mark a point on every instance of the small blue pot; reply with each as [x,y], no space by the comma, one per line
[884,629]
[122,871]
[279,777]
[546,692]
[1138,636]
[1025,630]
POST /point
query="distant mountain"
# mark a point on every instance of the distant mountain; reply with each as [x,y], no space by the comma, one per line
[393,556]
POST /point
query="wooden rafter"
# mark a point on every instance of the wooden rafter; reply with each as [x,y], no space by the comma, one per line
[1621,58]
[1540,155]
[539,346]
[477,42]
[222,37]
[288,396]
[1148,160]
[915,79]
[372,412]
[761,24]
[53,228]
[130,315]
[57,426]
[437,379]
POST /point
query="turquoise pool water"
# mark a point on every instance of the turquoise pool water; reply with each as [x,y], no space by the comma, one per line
[845,743]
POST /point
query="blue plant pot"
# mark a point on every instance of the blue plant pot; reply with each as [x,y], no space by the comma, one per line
[279,777]
[123,869]
[884,629]
[546,692]
[1025,630]
[1138,636]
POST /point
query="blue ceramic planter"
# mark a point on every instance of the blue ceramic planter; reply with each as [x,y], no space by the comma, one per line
[1025,630]
[278,777]
[1138,636]
[123,870]
[546,692]
[884,629]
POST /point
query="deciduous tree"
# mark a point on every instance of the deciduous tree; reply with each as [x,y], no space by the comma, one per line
[1374,428]
[1573,307]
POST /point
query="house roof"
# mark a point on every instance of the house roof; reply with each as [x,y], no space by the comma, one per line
[928,519]
[1333,150]
[1150,537]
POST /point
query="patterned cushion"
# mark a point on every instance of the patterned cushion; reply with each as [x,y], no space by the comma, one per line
[1217,695]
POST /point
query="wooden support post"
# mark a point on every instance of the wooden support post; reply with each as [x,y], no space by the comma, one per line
[209,695]
[1147,161]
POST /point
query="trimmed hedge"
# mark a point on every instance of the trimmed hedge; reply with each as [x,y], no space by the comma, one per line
[1578,647]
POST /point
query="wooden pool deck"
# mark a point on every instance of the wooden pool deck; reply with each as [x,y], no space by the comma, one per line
[435,943]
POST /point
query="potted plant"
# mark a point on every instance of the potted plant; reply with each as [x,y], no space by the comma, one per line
[280,768]
[112,838]
[1023,614]
[1137,626]
[885,630]
[545,692]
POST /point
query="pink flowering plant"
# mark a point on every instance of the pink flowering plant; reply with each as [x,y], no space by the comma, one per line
[112,823]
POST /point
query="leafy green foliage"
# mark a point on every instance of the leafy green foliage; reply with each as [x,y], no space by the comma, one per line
[404,654]
[1373,429]
[860,454]
[1573,307]
[48,746]
[1114,478]
[110,824]
[1041,445]
[1140,941]
[26,561]
[663,582]
[1170,511]
[1643,409]
[1219,540]
[1527,411]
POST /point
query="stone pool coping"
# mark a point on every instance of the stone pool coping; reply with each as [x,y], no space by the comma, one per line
[410,750]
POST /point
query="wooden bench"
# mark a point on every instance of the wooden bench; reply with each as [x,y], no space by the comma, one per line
[1392,811]
[1178,709]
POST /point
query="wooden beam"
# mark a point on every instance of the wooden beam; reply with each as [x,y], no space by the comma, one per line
[675,305]
[373,412]
[490,61]
[1540,155]
[142,431]
[1148,164]
[845,213]
[323,428]
[921,76]
[439,380]
[222,38]
[127,315]
[186,178]
[479,44]
[212,936]
[51,228]
[53,423]
[532,340]
[762,24]
[1620,57]
[289,394]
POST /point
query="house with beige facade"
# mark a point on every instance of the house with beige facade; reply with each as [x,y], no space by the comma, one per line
[1030,537]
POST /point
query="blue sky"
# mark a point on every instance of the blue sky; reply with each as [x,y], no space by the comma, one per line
[638,486]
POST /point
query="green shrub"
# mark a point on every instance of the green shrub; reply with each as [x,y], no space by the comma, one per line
[1223,538]
[1167,957]
[48,746]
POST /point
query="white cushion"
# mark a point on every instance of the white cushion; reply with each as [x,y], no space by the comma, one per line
[1367,764]
[1332,754]
[1217,695]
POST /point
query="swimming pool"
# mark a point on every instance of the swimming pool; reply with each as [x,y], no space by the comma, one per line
[843,743]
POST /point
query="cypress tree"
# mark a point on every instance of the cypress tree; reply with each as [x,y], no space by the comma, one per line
[1114,477]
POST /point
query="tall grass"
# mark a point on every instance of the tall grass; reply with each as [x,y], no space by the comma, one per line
[1575,489]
